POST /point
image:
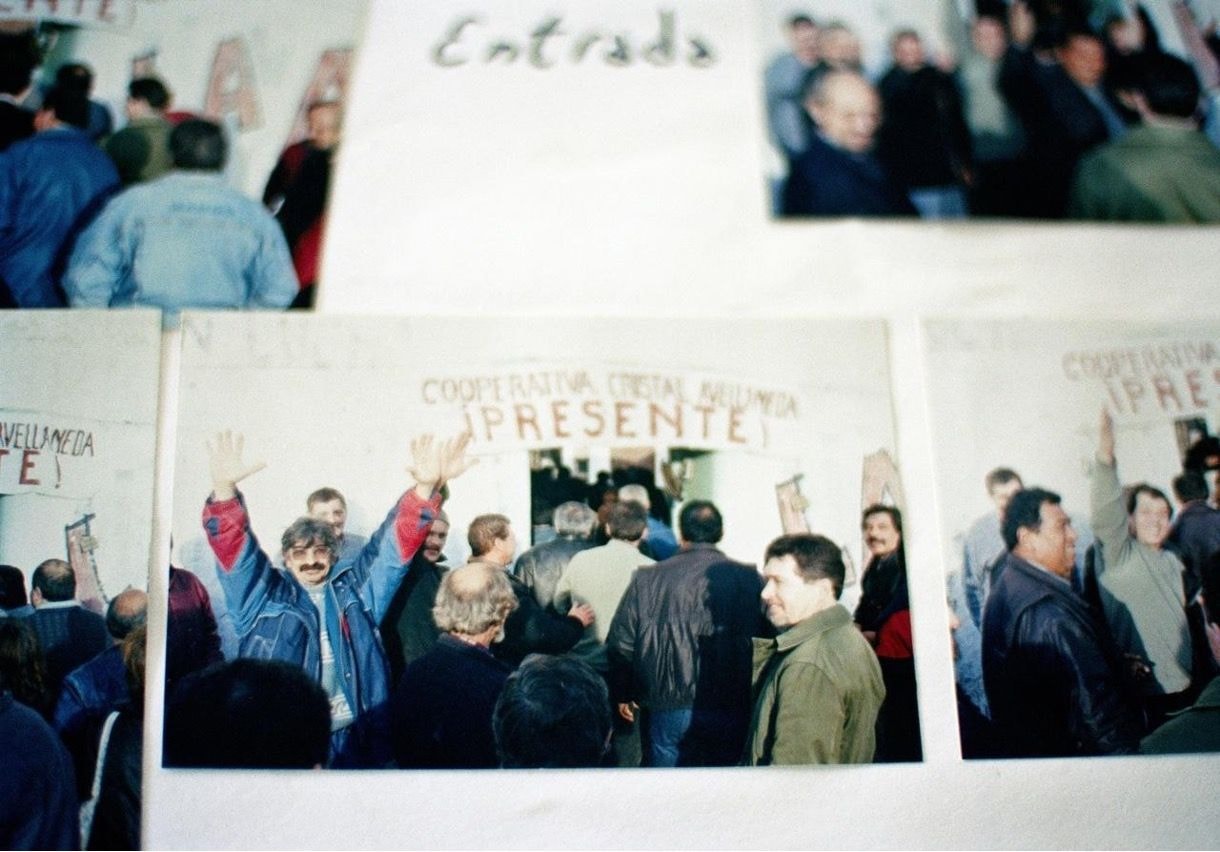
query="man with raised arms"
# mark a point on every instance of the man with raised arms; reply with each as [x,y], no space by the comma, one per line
[321,613]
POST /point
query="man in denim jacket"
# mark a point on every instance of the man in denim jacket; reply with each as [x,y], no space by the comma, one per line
[184,240]
[321,613]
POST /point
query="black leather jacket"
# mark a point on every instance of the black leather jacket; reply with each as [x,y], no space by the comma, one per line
[1053,681]
[541,567]
[682,633]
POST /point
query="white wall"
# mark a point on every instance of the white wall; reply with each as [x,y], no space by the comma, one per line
[1001,395]
[97,372]
[335,401]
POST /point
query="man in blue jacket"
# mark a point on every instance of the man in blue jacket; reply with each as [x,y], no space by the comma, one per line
[322,613]
[50,186]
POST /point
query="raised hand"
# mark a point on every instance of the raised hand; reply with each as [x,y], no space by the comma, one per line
[226,464]
[433,464]
[1105,441]
[454,460]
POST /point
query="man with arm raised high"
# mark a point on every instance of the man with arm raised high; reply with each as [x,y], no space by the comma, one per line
[322,613]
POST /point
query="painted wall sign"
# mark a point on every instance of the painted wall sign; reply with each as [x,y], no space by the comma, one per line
[1178,377]
[540,407]
[31,451]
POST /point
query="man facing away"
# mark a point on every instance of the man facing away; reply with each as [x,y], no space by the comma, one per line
[141,149]
[817,686]
[541,566]
[530,628]
[1052,677]
[69,634]
[680,647]
[321,613]
[442,708]
[50,186]
[184,240]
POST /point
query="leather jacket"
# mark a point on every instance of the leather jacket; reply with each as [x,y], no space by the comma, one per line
[682,635]
[1052,677]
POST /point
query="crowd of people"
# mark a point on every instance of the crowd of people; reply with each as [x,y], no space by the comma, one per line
[143,215]
[604,644]
[370,652]
[1069,649]
[1040,115]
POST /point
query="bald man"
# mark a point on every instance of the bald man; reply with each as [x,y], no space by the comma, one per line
[68,633]
[839,175]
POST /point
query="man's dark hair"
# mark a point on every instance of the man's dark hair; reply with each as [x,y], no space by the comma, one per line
[700,522]
[76,77]
[126,611]
[1152,491]
[1200,452]
[553,713]
[882,509]
[12,587]
[248,713]
[18,59]
[1190,485]
[67,106]
[816,557]
[199,145]
[800,21]
[150,90]
[627,521]
[306,530]
[1025,510]
[55,580]
[325,495]
[1168,84]
[1000,476]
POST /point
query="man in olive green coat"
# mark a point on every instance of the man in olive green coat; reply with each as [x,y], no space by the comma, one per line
[817,686]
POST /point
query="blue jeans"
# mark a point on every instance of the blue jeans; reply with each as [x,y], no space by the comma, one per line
[939,202]
[663,731]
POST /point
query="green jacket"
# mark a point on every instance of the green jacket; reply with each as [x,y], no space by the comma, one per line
[141,150]
[1150,174]
[1195,729]
[817,690]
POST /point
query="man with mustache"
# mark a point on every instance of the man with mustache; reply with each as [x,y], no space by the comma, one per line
[884,616]
[321,613]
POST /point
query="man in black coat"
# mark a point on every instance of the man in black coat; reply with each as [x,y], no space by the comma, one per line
[1052,677]
[69,634]
[680,646]
[838,175]
[442,708]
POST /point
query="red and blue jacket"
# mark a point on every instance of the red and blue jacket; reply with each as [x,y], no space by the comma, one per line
[275,619]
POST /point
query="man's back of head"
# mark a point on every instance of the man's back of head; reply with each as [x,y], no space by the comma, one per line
[12,587]
[626,521]
[554,713]
[18,59]
[127,611]
[1168,86]
[54,581]
[700,523]
[64,106]
[149,91]
[198,145]
[574,518]
[248,713]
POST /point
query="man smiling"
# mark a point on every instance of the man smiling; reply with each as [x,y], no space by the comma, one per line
[322,613]
[817,686]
